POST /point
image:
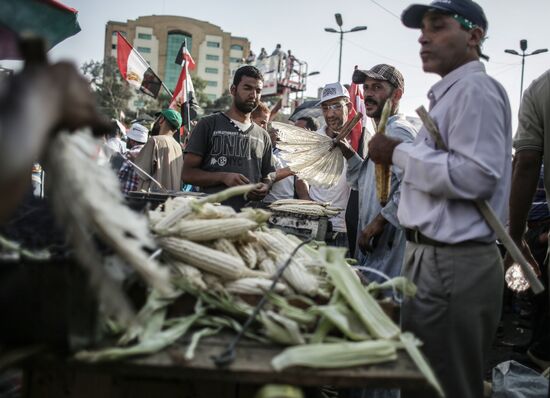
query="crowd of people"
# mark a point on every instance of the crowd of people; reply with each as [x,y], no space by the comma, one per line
[429,230]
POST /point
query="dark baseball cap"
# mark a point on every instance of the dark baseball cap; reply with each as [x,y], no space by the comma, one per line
[468,9]
[380,72]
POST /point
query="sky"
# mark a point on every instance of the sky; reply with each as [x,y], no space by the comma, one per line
[299,25]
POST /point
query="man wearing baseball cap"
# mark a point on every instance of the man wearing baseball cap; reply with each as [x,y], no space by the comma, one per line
[162,156]
[335,104]
[127,174]
[381,239]
[451,253]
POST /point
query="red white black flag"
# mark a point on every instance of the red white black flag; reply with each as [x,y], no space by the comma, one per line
[180,95]
[135,70]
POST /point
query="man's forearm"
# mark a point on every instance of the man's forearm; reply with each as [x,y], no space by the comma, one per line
[525,176]
[302,189]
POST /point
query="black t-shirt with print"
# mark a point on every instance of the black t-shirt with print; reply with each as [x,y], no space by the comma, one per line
[225,148]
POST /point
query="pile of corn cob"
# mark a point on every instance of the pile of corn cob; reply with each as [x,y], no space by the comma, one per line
[305,207]
[221,257]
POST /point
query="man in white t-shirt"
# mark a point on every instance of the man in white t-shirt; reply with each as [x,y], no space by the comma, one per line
[335,104]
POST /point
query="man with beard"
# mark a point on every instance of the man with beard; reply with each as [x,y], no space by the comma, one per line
[336,105]
[381,240]
[228,149]
[162,157]
[451,253]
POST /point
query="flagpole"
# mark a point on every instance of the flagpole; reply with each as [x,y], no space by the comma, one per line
[187,92]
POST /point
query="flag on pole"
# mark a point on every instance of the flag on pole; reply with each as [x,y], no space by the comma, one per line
[184,56]
[180,96]
[358,105]
[184,90]
[135,70]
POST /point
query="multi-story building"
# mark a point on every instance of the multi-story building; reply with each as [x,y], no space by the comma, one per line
[158,39]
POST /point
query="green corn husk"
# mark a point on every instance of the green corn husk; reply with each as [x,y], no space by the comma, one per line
[345,320]
[199,334]
[150,318]
[152,345]
[303,317]
[281,329]
[400,283]
[410,344]
[336,355]
[365,306]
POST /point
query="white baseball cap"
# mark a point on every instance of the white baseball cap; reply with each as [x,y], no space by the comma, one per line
[138,133]
[333,90]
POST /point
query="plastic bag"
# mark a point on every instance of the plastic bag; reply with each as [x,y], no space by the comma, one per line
[514,380]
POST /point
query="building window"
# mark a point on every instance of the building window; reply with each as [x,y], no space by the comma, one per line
[211,97]
[144,50]
[210,83]
[211,70]
[119,31]
[214,44]
[235,60]
[211,57]
[113,46]
[145,36]
[237,47]
[172,70]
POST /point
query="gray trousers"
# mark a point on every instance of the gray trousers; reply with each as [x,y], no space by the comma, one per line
[455,312]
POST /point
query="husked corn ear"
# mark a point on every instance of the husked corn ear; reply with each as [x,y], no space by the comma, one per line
[260,252]
[253,286]
[248,255]
[310,210]
[382,172]
[259,215]
[209,260]
[212,211]
[190,273]
[213,282]
[205,230]
[268,266]
[295,274]
[226,246]
[296,202]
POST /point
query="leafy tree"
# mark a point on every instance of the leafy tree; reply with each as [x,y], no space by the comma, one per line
[112,92]
[220,104]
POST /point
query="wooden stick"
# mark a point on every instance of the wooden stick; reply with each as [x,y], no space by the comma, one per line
[348,126]
[488,213]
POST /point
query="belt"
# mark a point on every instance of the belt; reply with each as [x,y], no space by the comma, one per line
[415,236]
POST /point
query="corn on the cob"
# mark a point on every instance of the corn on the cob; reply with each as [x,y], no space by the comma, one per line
[295,274]
[248,255]
[347,283]
[208,211]
[253,286]
[383,172]
[336,355]
[226,246]
[259,215]
[190,273]
[260,253]
[297,202]
[310,210]
[268,266]
[209,260]
[213,282]
[205,230]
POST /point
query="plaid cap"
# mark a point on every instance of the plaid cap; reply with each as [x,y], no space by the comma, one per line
[380,72]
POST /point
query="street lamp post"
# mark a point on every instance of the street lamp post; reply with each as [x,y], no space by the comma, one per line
[523,47]
[339,22]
